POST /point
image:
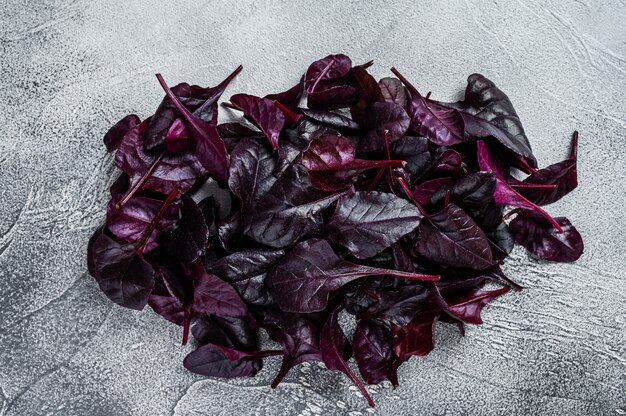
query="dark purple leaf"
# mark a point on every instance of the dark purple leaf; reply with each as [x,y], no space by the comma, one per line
[335,349]
[303,280]
[168,307]
[210,147]
[368,222]
[471,191]
[487,102]
[330,68]
[467,306]
[233,133]
[122,274]
[188,239]
[251,171]
[541,238]
[299,337]
[423,192]
[161,173]
[218,361]
[393,91]
[330,119]
[332,97]
[562,175]
[201,101]
[214,296]
[385,117]
[441,125]
[331,163]
[226,331]
[114,136]
[416,338]
[263,113]
[399,306]
[192,96]
[413,150]
[246,271]
[452,238]
[289,212]
[373,351]
[131,220]
[505,194]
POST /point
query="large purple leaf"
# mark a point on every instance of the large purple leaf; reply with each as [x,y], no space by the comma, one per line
[160,173]
[414,151]
[297,334]
[214,296]
[303,280]
[562,175]
[393,91]
[246,271]
[335,349]
[368,222]
[467,306]
[218,361]
[289,212]
[188,239]
[386,118]
[471,191]
[505,193]
[114,136]
[441,125]
[452,238]
[373,351]
[487,102]
[122,274]
[329,68]
[251,171]
[263,113]
[226,331]
[541,238]
[210,147]
[331,97]
[129,222]
[201,101]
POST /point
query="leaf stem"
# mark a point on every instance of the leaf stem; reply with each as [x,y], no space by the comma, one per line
[406,82]
[367,292]
[289,115]
[321,75]
[140,182]
[379,175]
[157,218]
[410,195]
[186,320]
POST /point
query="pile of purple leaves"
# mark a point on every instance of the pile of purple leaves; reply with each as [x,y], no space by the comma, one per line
[339,195]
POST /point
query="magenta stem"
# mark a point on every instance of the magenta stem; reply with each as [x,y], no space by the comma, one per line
[321,75]
[410,195]
[140,182]
[186,320]
[157,218]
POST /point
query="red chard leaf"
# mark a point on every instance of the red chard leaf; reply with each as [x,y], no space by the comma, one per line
[263,113]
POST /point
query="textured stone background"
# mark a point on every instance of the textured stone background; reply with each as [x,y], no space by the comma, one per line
[69,69]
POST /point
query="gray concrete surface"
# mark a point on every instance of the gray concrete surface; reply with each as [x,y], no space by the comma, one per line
[69,69]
